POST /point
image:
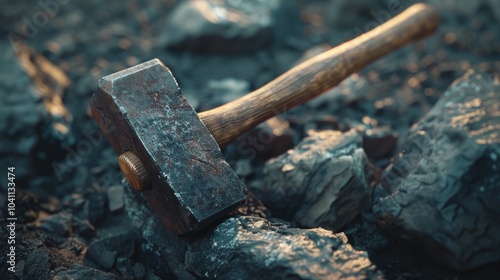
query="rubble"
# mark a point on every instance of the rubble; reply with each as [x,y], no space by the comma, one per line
[324,181]
[443,187]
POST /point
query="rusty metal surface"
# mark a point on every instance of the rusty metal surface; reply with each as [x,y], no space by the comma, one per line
[141,109]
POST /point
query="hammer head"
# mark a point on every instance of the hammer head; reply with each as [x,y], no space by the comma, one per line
[141,109]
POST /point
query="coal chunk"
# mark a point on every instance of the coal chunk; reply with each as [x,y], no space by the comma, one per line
[322,182]
[58,226]
[96,207]
[103,253]
[269,139]
[115,198]
[254,248]
[225,25]
[37,265]
[379,141]
[443,189]
[81,272]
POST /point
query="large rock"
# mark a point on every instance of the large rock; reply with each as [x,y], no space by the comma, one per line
[444,186]
[245,247]
[225,25]
[323,182]
[253,248]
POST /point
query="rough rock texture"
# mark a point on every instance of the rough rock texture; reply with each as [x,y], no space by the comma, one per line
[81,272]
[444,186]
[268,139]
[253,248]
[324,181]
[246,247]
[224,25]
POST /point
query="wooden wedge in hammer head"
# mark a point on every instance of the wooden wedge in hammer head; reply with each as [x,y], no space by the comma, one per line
[173,155]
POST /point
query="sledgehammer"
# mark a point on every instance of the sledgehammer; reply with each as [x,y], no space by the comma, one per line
[172,154]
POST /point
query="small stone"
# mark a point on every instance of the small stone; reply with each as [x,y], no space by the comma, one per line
[77,271]
[115,198]
[57,226]
[139,271]
[104,252]
[322,182]
[96,207]
[269,139]
[37,265]
[84,228]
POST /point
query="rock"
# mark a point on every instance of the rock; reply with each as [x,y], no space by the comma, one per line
[139,271]
[115,198]
[469,8]
[81,272]
[37,265]
[379,141]
[323,182]
[253,248]
[84,228]
[444,186]
[104,252]
[21,114]
[269,139]
[246,247]
[95,207]
[225,25]
[57,226]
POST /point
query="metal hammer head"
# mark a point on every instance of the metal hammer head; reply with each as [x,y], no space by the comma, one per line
[141,111]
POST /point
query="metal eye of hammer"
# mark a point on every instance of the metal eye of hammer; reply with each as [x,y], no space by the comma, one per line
[173,155]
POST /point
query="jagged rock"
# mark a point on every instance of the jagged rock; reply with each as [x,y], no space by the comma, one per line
[224,25]
[246,247]
[444,186]
[115,198]
[58,226]
[253,248]
[269,139]
[37,265]
[379,141]
[322,182]
[96,207]
[83,228]
[104,252]
[81,272]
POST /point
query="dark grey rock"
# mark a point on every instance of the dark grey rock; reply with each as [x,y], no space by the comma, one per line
[37,265]
[269,139]
[225,25]
[139,271]
[444,186]
[379,141]
[96,207]
[247,247]
[81,272]
[104,252]
[84,228]
[115,198]
[58,226]
[323,182]
[253,248]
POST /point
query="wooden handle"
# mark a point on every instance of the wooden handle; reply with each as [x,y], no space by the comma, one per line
[318,74]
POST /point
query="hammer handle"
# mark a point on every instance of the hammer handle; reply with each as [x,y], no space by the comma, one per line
[318,74]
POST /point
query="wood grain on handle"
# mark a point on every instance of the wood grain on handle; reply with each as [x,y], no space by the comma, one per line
[318,74]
